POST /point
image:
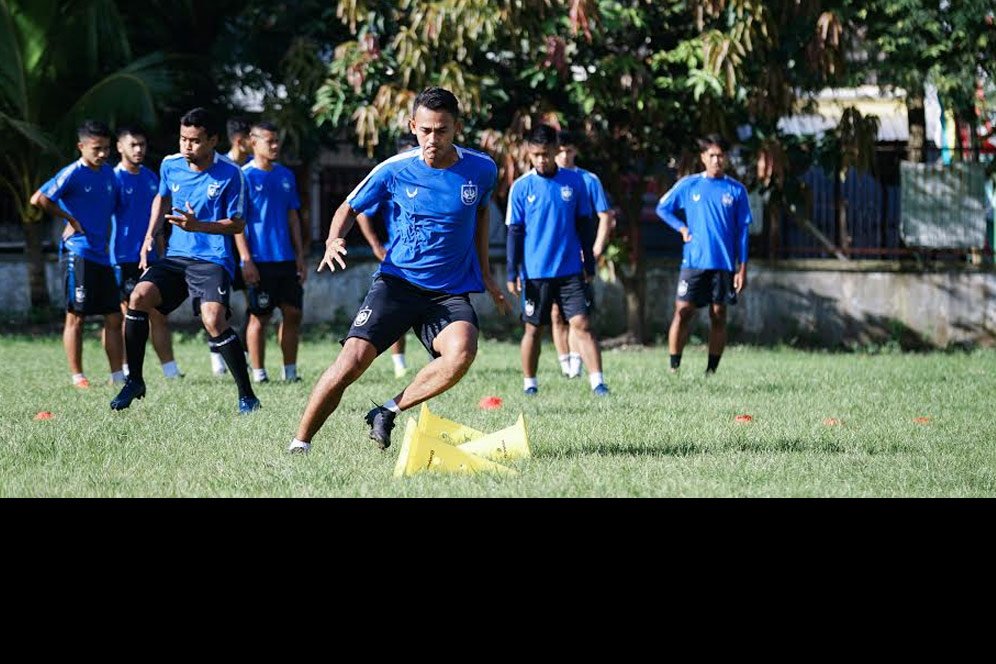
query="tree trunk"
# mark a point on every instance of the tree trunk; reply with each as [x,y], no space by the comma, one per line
[36,265]
[918,127]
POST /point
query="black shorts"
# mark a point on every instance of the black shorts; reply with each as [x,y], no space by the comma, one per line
[571,294]
[203,281]
[703,287]
[128,276]
[393,306]
[91,289]
[278,285]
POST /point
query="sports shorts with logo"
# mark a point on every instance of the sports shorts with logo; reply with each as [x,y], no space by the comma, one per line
[278,285]
[393,306]
[703,287]
[128,276]
[203,281]
[90,287]
[571,294]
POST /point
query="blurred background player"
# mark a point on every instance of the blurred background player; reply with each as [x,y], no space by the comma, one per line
[137,187]
[549,229]
[365,220]
[84,194]
[711,211]
[272,253]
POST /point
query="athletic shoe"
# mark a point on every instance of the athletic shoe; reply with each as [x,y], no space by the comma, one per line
[295,379]
[248,405]
[82,384]
[265,379]
[530,391]
[600,390]
[297,447]
[381,421]
[400,372]
[133,389]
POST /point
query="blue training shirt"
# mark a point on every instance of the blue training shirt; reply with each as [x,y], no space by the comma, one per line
[90,197]
[434,217]
[596,192]
[549,208]
[214,194]
[272,194]
[717,214]
[131,216]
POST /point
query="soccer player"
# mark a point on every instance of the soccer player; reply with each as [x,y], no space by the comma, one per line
[365,222]
[439,254]
[137,187]
[568,352]
[549,217]
[206,193]
[84,194]
[711,211]
[272,253]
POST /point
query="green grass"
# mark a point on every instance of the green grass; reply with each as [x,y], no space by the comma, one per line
[657,435]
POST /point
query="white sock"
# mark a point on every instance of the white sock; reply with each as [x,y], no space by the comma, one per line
[595,378]
[574,360]
[290,372]
[78,378]
[565,363]
[399,360]
[117,377]
[299,445]
[170,370]
[124,369]
[259,375]
[218,363]
[392,406]
[529,382]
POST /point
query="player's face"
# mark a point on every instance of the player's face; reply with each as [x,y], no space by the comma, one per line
[542,157]
[435,131]
[265,144]
[132,149]
[715,160]
[94,150]
[566,155]
[195,144]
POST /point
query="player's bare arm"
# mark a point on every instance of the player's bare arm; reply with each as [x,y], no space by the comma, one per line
[335,245]
[481,243]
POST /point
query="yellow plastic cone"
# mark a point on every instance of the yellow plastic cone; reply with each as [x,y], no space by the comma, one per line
[509,443]
[444,430]
[420,453]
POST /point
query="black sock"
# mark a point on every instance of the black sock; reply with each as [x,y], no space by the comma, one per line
[675,360]
[713,363]
[136,334]
[228,345]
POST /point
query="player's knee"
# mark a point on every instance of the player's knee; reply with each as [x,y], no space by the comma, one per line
[684,314]
[113,320]
[580,325]
[141,299]
[292,315]
[74,320]
[717,318]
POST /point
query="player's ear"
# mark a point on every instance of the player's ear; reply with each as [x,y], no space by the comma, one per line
[411,124]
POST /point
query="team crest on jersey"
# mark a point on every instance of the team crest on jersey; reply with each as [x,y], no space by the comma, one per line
[530,308]
[682,288]
[362,316]
[214,189]
[727,200]
[566,193]
[468,194]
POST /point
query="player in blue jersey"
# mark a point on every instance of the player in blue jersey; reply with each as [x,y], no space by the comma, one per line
[438,254]
[549,218]
[271,252]
[365,221]
[568,350]
[137,187]
[207,196]
[84,194]
[711,211]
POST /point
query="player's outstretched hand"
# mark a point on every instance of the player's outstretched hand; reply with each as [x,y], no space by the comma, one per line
[501,302]
[335,249]
[185,219]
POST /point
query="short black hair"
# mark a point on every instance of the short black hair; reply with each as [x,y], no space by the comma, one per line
[265,125]
[405,142]
[201,117]
[567,137]
[93,129]
[542,135]
[131,130]
[437,99]
[237,125]
[710,140]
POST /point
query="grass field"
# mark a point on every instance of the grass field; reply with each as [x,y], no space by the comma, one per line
[657,435]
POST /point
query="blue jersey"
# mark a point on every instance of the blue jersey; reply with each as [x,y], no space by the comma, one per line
[596,192]
[549,207]
[131,216]
[89,196]
[214,194]
[434,217]
[272,194]
[717,213]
